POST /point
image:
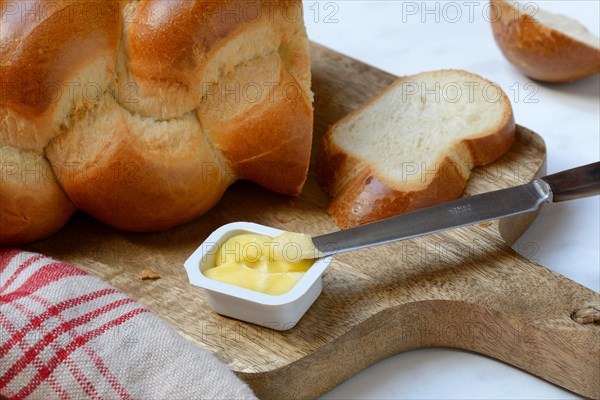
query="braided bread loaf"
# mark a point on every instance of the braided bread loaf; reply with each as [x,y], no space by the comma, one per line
[142,113]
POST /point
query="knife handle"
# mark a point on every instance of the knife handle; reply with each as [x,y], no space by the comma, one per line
[575,183]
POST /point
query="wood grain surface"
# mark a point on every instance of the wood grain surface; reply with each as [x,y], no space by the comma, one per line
[462,289]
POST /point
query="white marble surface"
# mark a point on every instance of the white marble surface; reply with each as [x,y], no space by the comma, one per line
[401,38]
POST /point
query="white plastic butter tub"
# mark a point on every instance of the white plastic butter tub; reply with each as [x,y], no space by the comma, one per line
[276,312]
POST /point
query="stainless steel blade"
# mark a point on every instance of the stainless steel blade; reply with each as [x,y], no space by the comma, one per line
[465,211]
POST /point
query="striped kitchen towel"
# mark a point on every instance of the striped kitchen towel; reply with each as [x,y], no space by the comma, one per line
[65,334]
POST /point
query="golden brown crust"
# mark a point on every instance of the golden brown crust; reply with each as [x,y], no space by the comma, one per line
[126,179]
[281,168]
[193,43]
[147,150]
[539,51]
[268,143]
[361,196]
[366,199]
[31,214]
[186,34]
[32,203]
[45,44]
[191,31]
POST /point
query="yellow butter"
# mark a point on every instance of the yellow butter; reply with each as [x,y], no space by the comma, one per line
[262,263]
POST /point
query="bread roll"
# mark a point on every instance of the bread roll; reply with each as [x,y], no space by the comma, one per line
[544,46]
[142,113]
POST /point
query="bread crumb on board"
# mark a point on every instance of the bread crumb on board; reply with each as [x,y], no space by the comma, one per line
[284,220]
[148,274]
[485,224]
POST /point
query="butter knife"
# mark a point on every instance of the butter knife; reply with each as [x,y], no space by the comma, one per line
[572,184]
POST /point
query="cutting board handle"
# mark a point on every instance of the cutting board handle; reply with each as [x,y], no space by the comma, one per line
[538,321]
[524,315]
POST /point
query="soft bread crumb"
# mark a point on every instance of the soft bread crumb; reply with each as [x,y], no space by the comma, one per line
[418,122]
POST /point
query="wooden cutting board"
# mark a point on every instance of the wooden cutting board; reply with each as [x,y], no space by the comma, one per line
[463,289]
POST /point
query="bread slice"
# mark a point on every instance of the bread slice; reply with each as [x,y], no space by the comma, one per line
[544,46]
[413,145]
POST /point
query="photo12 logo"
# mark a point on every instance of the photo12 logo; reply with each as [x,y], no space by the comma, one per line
[325,12]
[59,12]
[468,92]
[467,11]
[250,92]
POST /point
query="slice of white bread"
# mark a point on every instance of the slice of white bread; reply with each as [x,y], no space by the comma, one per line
[544,46]
[413,145]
